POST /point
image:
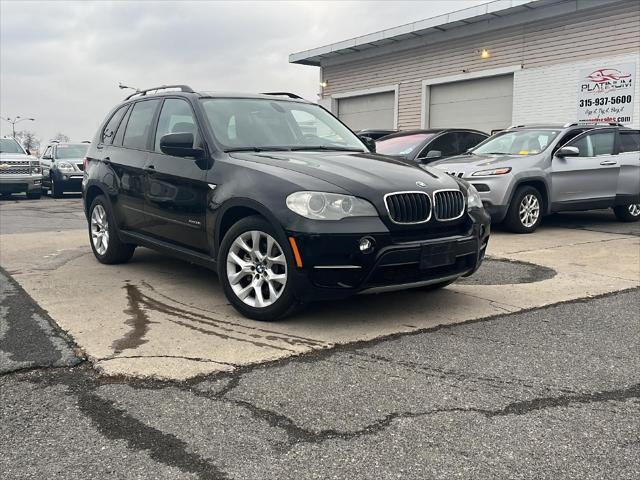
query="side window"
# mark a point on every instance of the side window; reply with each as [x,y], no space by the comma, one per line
[447,144]
[584,146]
[112,125]
[176,117]
[123,125]
[567,137]
[629,141]
[467,140]
[603,143]
[139,124]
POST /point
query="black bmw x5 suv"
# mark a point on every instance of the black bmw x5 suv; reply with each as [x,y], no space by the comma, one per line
[275,194]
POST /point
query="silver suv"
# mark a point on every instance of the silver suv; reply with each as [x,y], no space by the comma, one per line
[525,172]
[19,171]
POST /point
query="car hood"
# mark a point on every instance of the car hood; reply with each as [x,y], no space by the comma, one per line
[471,163]
[361,174]
[16,157]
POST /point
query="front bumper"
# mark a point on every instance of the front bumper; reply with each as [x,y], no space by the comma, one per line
[20,183]
[69,182]
[334,267]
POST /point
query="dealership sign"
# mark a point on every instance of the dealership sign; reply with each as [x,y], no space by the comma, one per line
[606,93]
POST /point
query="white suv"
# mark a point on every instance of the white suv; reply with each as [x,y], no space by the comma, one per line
[19,171]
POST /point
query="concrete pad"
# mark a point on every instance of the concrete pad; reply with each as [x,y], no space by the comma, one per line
[160,317]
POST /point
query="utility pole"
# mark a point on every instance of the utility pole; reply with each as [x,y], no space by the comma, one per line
[15,120]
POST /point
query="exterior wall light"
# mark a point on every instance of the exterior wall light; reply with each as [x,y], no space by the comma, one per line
[484,53]
[324,84]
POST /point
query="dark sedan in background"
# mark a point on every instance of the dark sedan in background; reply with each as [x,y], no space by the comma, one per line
[424,146]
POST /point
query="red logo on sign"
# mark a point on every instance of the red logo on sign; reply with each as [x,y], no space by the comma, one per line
[606,75]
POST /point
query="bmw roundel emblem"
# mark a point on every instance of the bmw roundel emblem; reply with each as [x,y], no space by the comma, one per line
[421,184]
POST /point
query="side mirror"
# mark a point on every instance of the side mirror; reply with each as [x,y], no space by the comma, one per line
[27,150]
[368,141]
[47,157]
[180,145]
[432,155]
[568,152]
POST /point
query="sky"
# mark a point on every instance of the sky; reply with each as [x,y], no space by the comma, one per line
[60,62]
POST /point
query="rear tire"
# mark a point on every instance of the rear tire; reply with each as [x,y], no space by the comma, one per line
[56,190]
[254,268]
[525,210]
[103,234]
[627,213]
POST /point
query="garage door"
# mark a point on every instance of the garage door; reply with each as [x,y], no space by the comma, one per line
[484,104]
[368,111]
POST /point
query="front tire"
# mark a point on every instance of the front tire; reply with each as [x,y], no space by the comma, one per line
[525,211]
[103,235]
[254,268]
[627,213]
[34,195]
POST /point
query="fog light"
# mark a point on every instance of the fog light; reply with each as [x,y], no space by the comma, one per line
[64,177]
[366,245]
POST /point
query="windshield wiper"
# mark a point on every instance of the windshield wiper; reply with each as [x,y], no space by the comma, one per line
[327,147]
[257,149]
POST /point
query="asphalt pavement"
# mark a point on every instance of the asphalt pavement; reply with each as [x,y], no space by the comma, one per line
[550,392]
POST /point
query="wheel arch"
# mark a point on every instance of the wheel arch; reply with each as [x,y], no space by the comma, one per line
[539,184]
[235,210]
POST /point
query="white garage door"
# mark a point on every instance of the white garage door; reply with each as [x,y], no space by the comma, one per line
[484,104]
[368,111]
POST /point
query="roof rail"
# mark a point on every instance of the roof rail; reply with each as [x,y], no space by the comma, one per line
[183,88]
[283,94]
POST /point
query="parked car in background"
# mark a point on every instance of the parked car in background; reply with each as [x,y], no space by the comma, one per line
[19,171]
[234,183]
[375,133]
[425,146]
[62,167]
[525,172]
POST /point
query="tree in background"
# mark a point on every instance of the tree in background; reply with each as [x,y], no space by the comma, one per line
[28,140]
[61,137]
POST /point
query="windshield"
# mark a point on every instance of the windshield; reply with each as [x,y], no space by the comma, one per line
[403,145]
[517,142]
[9,145]
[265,124]
[72,151]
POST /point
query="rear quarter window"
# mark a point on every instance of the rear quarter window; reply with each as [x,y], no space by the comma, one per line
[110,128]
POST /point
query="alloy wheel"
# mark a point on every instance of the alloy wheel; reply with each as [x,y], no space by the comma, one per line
[99,229]
[634,209]
[529,210]
[257,268]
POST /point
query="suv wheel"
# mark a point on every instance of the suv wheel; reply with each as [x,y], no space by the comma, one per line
[254,270]
[103,235]
[525,211]
[627,213]
[56,189]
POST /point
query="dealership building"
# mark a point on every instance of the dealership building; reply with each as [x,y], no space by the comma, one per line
[506,62]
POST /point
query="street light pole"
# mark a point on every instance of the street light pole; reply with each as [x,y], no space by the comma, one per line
[15,120]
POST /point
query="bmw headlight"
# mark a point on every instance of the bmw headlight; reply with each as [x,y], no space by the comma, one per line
[65,167]
[473,198]
[329,206]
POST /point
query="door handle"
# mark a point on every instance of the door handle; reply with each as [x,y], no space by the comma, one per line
[608,162]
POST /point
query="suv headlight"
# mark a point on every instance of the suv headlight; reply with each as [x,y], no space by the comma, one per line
[65,167]
[329,206]
[35,167]
[473,198]
[495,171]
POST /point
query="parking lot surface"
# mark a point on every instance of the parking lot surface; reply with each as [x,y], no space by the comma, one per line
[529,369]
